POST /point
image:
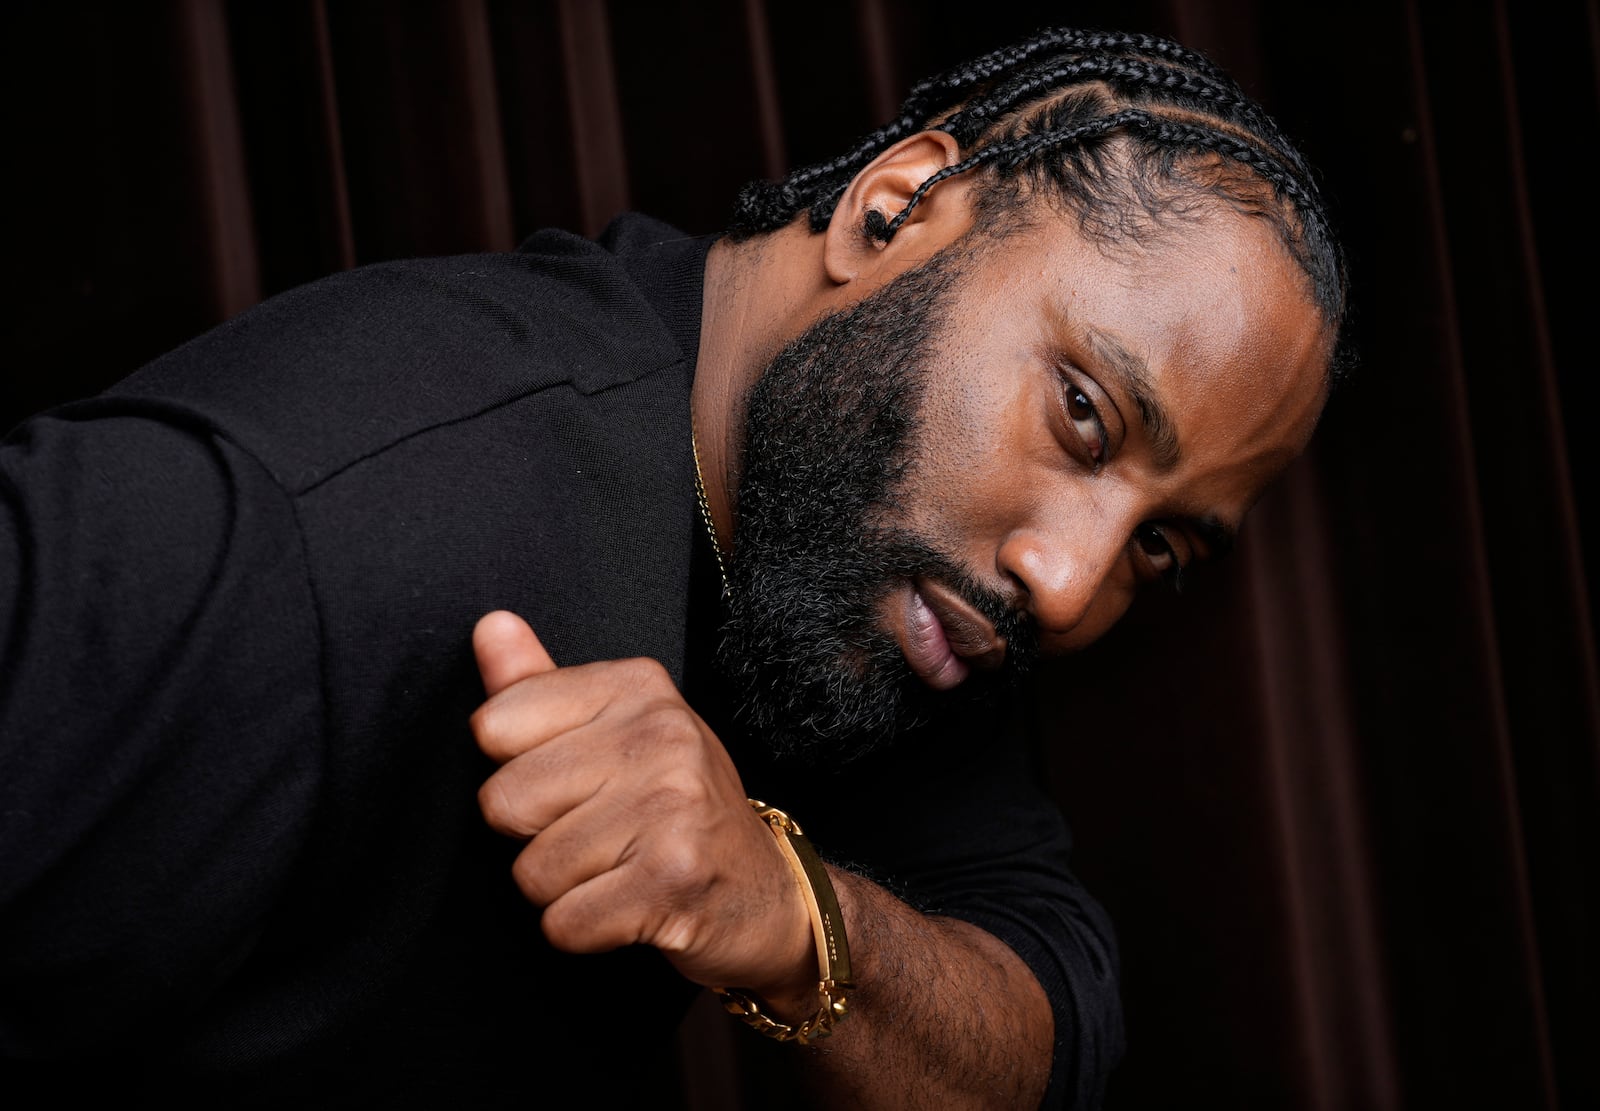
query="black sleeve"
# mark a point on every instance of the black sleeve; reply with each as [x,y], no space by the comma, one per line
[1008,874]
[160,720]
[956,824]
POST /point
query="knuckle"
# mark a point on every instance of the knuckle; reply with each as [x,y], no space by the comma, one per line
[529,877]
[681,871]
[495,803]
[559,929]
[646,674]
[668,723]
[572,927]
[488,730]
[682,788]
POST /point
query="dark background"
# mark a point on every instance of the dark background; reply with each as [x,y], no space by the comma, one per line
[1341,796]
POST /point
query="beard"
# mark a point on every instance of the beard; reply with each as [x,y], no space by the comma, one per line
[830,432]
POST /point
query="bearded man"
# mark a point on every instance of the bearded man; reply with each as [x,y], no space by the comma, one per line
[712,520]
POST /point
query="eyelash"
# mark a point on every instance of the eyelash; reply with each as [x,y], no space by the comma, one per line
[1071,393]
[1172,576]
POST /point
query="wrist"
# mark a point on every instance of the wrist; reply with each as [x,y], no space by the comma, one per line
[794,998]
[817,1000]
[787,980]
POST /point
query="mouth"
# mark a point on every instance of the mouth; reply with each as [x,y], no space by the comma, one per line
[943,637]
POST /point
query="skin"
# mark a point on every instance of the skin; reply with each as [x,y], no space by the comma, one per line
[1037,472]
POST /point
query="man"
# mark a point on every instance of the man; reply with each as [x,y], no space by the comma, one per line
[709,520]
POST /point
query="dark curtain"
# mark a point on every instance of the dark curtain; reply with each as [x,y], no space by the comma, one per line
[1341,795]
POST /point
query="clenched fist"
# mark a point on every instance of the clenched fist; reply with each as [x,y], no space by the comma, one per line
[637,824]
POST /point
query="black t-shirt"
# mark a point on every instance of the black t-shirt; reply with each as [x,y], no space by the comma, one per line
[240,850]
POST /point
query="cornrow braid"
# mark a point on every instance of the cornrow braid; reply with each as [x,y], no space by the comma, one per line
[1125,76]
[937,93]
[1008,59]
[1057,111]
[1012,152]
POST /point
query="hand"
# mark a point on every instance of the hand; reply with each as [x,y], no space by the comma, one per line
[638,827]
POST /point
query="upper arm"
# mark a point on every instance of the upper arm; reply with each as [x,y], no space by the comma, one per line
[160,720]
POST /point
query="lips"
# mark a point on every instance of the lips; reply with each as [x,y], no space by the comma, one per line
[944,638]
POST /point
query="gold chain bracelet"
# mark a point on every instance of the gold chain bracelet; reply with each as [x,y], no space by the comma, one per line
[827,928]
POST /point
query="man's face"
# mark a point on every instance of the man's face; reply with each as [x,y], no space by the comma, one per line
[987,457]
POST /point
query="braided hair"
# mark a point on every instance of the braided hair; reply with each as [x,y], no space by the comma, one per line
[1093,120]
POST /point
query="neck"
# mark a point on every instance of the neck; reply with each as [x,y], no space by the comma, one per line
[758,295]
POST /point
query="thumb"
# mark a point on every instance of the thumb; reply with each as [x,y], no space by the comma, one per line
[507,651]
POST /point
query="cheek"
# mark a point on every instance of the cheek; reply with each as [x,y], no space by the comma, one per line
[977,451]
[965,500]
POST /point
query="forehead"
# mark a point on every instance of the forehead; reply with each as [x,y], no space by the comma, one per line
[1211,314]
[1211,260]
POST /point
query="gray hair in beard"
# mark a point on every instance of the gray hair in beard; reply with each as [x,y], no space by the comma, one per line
[830,429]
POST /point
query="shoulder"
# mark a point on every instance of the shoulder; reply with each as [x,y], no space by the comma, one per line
[341,369]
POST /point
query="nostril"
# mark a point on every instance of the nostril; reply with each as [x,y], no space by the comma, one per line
[1062,578]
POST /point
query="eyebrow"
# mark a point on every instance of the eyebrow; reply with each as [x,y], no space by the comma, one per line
[1219,537]
[1133,374]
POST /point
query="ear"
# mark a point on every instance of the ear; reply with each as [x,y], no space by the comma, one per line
[855,246]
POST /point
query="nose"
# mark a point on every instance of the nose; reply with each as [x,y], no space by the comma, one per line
[1075,577]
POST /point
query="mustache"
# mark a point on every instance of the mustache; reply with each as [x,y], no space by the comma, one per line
[911,556]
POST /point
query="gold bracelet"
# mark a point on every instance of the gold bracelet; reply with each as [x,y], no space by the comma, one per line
[827,927]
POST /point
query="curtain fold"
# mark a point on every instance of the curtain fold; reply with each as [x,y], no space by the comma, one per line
[1342,795]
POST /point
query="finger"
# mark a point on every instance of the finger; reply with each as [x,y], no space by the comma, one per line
[507,651]
[712,925]
[530,792]
[599,915]
[540,708]
[575,847]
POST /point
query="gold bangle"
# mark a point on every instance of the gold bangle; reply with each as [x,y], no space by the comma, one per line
[827,927]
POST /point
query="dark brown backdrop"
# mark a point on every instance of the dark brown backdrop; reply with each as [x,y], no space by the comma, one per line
[1341,796]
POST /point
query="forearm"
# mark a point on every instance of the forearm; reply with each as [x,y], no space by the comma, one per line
[943,1014]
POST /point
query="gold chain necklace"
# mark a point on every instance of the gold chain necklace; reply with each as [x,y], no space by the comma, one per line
[705,509]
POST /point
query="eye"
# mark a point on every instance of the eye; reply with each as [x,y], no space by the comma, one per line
[1159,551]
[1084,420]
